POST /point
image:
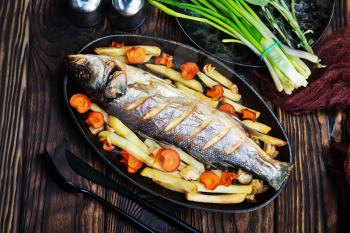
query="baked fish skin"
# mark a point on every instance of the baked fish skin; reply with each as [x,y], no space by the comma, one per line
[147,104]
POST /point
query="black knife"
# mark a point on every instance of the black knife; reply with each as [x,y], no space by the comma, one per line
[88,172]
[67,179]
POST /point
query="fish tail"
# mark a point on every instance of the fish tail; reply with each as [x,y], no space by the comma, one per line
[280,175]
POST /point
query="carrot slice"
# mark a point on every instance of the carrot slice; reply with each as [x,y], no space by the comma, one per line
[160,60]
[133,164]
[125,156]
[80,102]
[169,159]
[209,179]
[108,146]
[136,55]
[116,44]
[227,178]
[95,120]
[228,108]
[216,92]
[189,70]
[132,170]
[169,63]
[165,59]
[249,115]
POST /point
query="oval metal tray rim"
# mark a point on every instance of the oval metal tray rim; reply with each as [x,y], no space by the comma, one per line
[110,164]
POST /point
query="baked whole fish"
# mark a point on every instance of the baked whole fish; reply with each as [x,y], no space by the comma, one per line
[147,104]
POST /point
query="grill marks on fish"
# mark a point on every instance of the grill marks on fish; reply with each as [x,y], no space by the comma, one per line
[184,112]
[137,103]
[174,122]
[155,111]
[216,139]
[233,149]
[201,127]
[179,119]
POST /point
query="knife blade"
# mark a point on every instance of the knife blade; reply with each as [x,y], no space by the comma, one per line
[85,170]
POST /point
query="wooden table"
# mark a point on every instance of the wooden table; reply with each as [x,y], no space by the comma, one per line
[35,36]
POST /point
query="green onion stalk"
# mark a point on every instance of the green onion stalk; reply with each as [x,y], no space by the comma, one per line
[241,24]
[289,16]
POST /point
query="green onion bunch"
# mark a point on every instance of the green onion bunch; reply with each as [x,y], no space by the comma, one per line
[238,20]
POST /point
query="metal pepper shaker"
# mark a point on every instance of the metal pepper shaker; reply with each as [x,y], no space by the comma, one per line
[127,14]
[86,13]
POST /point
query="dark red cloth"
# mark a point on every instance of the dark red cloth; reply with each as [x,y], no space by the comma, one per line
[328,88]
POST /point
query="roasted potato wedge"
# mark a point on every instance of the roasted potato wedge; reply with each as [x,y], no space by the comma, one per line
[244,177]
[114,52]
[126,133]
[269,149]
[260,127]
[175,174]
[217,76]
[210,83]
[258,186]
[197,94]
[246,189]
[129,147]
[217,199]
[95,131]
[151,143]
[170,180]
[190,173]
[251,198]
[182,166]
[124,59]
[175,76]
[267,138]
[274,155]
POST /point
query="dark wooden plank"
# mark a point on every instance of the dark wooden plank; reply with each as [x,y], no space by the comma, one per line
[45,207]
[13,70]
[309,202]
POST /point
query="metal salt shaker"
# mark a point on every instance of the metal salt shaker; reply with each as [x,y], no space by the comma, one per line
[86,13]
[127,14]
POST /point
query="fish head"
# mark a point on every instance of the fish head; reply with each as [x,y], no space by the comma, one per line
[102,77]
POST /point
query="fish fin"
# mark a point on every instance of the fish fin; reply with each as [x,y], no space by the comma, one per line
[277,181]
